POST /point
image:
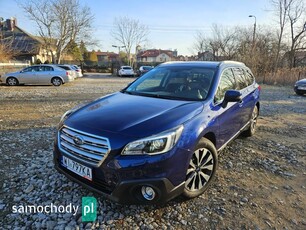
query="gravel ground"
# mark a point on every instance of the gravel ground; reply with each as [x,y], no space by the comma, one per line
[260,184]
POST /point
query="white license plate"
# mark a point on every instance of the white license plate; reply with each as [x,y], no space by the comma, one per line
[77,168]
[301,88]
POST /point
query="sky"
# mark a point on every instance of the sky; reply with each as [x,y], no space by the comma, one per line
[172,24]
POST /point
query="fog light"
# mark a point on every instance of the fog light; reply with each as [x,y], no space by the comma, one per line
[148,192]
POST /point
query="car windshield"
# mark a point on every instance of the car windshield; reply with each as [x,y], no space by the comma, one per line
[174,82]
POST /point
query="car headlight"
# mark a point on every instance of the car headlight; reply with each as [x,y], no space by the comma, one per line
[156,144]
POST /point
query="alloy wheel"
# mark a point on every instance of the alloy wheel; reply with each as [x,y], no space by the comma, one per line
[12,81]
[200,170]
[56,82]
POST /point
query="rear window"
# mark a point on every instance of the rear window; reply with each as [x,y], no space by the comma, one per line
[127,68]
[249,76]
[64,67]
[240,78]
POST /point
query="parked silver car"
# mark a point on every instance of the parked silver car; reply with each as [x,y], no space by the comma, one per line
[70,69]
[39,75]
[78,70]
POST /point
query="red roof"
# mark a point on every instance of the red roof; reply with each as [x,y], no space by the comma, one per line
[154,53]
[106,54]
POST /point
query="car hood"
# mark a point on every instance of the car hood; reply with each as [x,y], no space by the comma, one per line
[303,81]
[132,115]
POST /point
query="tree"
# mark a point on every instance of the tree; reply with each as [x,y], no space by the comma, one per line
[291,18]
[129,33]
[223,43]
[74,50]
[83,51]
[92,57]
[59,22]
[6,50]
[297,16]
[281,8]
[237,44]
[200,44]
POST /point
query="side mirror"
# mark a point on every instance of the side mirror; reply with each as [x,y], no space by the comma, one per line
[231,96]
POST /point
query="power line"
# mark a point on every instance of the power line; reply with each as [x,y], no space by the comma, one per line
[164,28]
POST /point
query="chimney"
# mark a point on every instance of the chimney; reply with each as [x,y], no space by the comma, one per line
[11,23]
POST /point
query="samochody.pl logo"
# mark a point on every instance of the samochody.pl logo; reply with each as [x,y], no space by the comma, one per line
[89,209]
[46,209]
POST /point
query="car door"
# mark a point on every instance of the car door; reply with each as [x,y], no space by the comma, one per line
[247,102]
[28,75]
[44,75]
[228,118]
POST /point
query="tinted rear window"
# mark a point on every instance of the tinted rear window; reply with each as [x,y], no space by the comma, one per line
[65,67]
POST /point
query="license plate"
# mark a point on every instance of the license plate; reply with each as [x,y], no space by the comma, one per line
[301,87]
[77,168]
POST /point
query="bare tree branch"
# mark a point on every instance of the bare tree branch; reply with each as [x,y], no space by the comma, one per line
[129,33]
[59,22]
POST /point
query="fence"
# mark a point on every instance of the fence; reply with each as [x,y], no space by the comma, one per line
[12,67]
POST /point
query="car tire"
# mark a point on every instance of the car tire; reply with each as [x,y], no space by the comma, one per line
[56,81]
[12,81]
[201,169]
[253,122]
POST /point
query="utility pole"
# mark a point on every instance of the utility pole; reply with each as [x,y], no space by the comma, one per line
[253,45]
[254,32]
[119,60]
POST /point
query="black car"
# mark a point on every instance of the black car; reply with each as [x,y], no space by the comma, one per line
[300,87]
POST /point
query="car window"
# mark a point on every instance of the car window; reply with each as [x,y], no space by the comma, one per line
[49,68]
[46,68]
[29,69]
[241,81]
[127,68]
[227,82]
[249,77]
[35,68]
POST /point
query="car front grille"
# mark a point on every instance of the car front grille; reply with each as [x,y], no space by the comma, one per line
[86,147]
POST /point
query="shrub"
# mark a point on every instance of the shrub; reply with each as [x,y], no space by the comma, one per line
[283,76]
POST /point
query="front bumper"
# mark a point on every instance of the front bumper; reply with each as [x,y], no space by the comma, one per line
[129,192]
[300,90]
[120,181]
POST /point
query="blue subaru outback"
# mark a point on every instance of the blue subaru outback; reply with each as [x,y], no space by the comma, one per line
[160,136]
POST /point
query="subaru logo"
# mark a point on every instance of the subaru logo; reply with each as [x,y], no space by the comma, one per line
[78,140]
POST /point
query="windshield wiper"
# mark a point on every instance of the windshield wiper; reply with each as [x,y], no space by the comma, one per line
[178,98]
[160,96]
